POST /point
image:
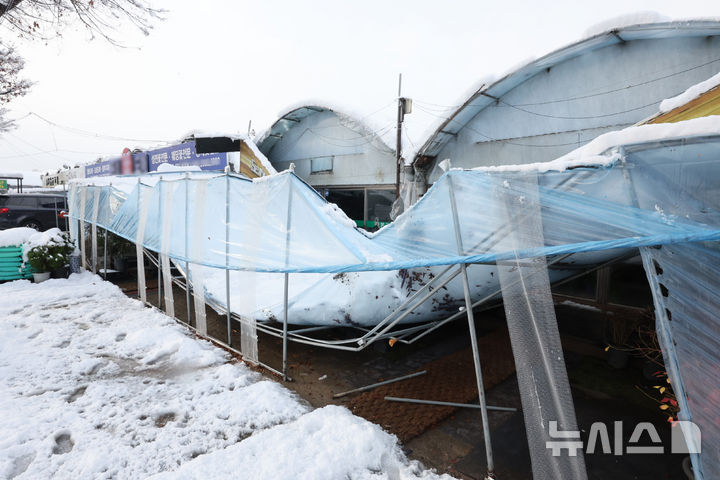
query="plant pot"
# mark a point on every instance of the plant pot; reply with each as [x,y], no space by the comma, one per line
[41,277]
[75,264]
[62,272]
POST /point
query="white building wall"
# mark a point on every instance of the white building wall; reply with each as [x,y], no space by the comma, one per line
[571,103]
[358,156]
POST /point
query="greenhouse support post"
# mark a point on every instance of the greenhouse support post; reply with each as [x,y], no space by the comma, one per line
[159,263]
[105,247]
[187,253]
[139,251]
[93,238]
[227,255]
[83,202]
[286,279]
[473,336]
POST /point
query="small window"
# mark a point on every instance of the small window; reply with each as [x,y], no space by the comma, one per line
[52,202]
[379,205]
[22,202]
[321,164]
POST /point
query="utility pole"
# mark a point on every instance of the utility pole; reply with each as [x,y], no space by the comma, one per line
[404,107]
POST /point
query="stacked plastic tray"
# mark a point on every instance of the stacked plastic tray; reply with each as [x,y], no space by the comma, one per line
[11,264]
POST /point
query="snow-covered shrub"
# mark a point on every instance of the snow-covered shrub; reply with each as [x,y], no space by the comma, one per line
[54,253]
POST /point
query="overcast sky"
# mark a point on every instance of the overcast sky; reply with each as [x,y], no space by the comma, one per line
[215,65]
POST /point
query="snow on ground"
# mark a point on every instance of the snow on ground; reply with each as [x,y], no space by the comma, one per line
[94,385]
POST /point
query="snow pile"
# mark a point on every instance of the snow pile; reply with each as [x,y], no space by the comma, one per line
[690,94]
[16,236]
[329,443]
[101,387]
[50,237]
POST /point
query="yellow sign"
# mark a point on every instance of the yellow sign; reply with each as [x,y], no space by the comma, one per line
[250,165]
[703,106]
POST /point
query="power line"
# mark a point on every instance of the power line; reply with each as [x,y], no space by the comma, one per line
[79,131]
[60,150]
[40,151]
[581,97]
[561,117]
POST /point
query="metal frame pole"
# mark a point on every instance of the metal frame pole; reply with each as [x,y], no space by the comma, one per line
[380,384]
[105,247]
[473,337]
[159,263]
[227,255]
[285,328]
[448,404]
[286,280]
[96,206]
[187,252]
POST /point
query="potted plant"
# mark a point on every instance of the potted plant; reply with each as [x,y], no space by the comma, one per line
[61,250]
[49,257]
[39,260]
[620,329]
[123,252]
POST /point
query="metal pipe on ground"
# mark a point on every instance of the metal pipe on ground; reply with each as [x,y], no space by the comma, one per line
[378,384]
[449,404]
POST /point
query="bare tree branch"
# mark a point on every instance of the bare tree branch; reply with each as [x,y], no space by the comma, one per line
[35,18]
[43,19]
[11,85]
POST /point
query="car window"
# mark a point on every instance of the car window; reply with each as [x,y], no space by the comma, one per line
[53,202]
[22,201]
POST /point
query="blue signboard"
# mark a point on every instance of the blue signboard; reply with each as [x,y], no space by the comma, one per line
[114,166]
[184,155]
[101,169]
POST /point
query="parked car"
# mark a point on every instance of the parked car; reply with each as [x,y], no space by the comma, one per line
[35,210]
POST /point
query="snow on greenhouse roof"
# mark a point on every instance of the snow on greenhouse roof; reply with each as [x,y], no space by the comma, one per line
[485,95]
[597,153]
[690,94]
[294,114]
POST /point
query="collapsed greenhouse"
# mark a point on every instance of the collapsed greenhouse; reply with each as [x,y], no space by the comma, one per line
[266,249]
[272,255]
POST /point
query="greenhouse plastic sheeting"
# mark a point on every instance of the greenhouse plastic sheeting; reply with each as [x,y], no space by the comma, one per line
[665,193]
[321,239]
[532,325]
[685,283]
